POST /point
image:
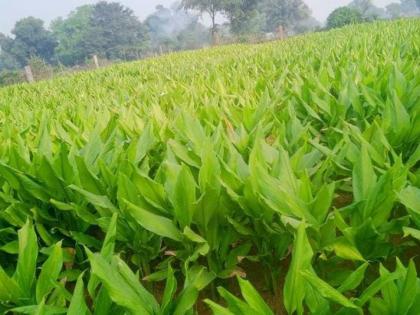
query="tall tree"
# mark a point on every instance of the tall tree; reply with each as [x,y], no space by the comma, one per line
[210,7]
[285,13]
[244,16]
[115,32]
[410,7]
[368,10]
[394,10]
[344,16]
[196,35]
[71,34]
[254,16]
[7,61]
[30,39]
[160,23]
[175,28]
[406,8]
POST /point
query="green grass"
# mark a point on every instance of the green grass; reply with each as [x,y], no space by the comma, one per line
[149,187]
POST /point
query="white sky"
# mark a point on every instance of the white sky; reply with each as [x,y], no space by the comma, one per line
[13,10]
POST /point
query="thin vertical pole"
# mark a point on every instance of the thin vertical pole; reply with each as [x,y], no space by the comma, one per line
[28,74]
[95,61]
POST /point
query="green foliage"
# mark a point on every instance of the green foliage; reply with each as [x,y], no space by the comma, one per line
[212,8]
[9,77]
[71,34]
[253,303]
[406,8]
[344,16]
[285,13]
[368,10]
[30,39]
[290,166]
[244,16]
[106,29]
[115,32]
[174,28]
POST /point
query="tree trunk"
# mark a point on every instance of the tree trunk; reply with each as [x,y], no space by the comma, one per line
[214,37]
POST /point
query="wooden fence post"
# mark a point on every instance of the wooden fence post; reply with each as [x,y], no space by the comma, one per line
[95,61]
[280,32]
[28,74]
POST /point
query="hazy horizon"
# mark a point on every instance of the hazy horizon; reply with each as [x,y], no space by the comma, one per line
[47,10]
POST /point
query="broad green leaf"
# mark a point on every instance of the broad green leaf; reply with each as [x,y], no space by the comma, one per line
[210,186]
[253,298]
[375,287]
[185,302]
[294,287]
[49,273]
[191,235]
[122,285]
[88,180]
[11,247]
[154,223]
[183,154]
[102,203]
[184,197]
[217,309]
[54,184]
[170,289]
[78,304]
[410,197]
[40,309]
[28,254]
[326,290]
[143,145]
[9,288]
[198,277]
[364,177]
[109,242]
[344,249]
[10,175]
[409,289]
[33,188]
[235,304]
[43,137]
[208,177]
[354,279]
[411,232]
[322,202]
[102,302]
[107,251]
[151,191]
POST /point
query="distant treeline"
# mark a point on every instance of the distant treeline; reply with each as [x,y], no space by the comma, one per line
[113,32]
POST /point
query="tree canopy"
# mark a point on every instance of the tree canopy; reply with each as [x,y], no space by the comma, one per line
[254,16]
[211,7]
[285,13]
[175,28]
[71,34]
[367,9]
[107,29]
[115,32]
[31,39]
[343,16]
